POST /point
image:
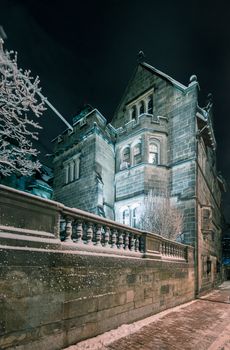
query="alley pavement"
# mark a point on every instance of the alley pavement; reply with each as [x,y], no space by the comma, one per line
[203,324]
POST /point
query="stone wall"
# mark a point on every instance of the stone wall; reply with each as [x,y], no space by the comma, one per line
[55,293]
[50,300]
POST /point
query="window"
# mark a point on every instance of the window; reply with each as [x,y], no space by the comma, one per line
[134,218]
[137,154]
[150,105]
[134,112]
[125,158]
[142,108]
[125,217]
[153,154]
[206,218]
[72,169]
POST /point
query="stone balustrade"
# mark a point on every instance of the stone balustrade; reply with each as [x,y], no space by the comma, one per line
[75,229]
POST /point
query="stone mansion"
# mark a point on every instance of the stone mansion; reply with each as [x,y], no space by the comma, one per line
[159,138]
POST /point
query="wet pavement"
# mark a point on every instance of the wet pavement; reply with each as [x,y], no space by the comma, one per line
[199,325]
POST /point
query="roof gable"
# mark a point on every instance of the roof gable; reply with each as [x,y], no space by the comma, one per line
[144,78]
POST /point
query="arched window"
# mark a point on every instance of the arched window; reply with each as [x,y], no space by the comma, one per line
[153,153]
[137,154]
[125,158]
[134,112]
[150,105]
[142,107]
[125,217]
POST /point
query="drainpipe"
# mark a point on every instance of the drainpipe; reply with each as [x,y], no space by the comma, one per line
[196,260]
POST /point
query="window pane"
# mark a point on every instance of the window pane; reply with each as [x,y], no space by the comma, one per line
[137,149]
[126,155]
[153,158]
[125,217]
[153,148]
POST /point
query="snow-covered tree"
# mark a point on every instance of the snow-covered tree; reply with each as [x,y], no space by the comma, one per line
[161,215]
[19,104]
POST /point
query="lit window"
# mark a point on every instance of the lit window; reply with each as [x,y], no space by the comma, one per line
[125,217]
[150,105]
[137,154]
[153,154]
[142,107]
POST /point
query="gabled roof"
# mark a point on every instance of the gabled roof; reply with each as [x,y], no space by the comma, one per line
[163,75]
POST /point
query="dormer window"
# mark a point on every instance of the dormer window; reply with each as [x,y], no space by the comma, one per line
[141,105]
[153,153]
[150,105]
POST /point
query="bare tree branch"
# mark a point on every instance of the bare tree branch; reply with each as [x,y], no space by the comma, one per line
[160,215]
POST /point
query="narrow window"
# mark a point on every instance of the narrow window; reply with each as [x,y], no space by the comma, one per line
[153,154]
[142,107]
[150,105]
[125,217]
[76,169]
[134,112]
[126,155]
[134,217]
[137,154]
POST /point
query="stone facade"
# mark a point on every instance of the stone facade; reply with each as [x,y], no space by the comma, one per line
[160,139]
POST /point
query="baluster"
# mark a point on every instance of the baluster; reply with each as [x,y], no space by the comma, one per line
[137,243]
[89,233]
[79,232]
[120,240]
[126,240]
[177,252]
[98,235]
[106,237]
[68,229]
[114,238]
[132,242]
[62,229]
[142,244]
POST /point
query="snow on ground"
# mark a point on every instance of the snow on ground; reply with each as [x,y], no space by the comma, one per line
[101,341]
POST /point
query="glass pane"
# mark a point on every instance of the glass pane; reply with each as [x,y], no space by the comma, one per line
[153,158]
[153,148]
[126,217]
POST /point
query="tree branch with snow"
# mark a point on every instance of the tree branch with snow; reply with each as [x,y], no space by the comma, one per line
[18,106]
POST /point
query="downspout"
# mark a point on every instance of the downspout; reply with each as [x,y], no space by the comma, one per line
[196,223]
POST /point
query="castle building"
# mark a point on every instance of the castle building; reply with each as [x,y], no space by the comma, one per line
[159,139]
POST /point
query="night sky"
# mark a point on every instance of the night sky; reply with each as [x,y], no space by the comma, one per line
[85,52]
